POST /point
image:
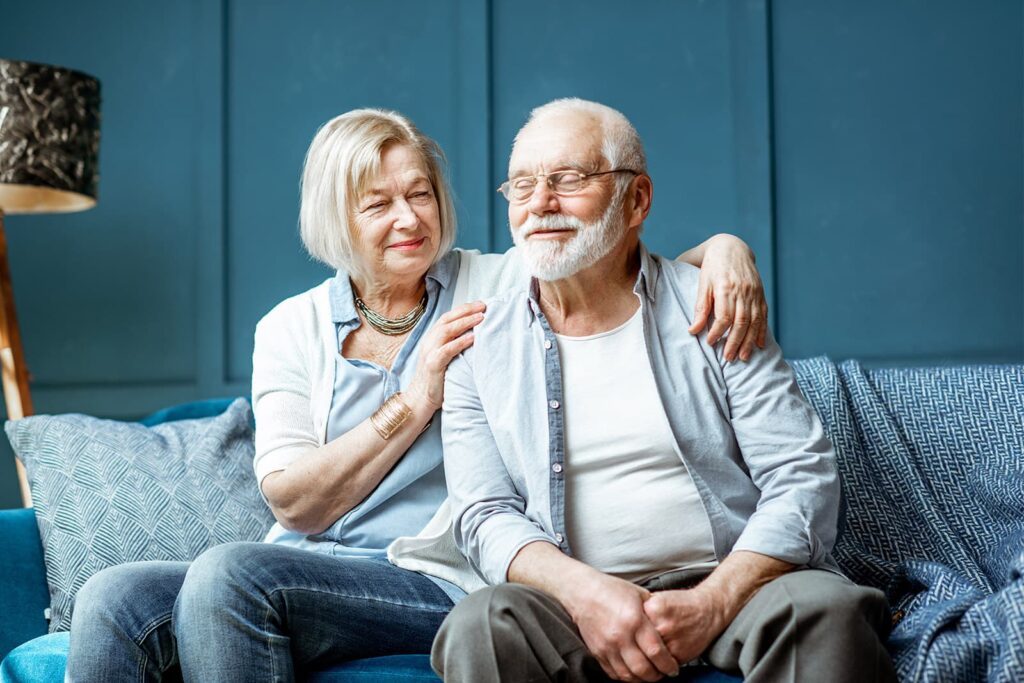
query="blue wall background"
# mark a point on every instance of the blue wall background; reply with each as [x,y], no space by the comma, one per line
[872,153]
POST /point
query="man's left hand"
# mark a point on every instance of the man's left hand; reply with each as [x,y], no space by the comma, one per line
[731,289]
[688,621]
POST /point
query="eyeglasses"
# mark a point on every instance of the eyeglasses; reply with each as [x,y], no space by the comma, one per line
[519,190]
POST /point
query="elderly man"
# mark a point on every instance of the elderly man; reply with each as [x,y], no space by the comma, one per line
[635,502]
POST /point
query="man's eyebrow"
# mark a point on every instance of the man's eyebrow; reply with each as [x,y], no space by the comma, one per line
[517,173]
[581,166]
[571,165]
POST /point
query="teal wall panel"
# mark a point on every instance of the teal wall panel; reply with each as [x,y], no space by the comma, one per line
[871,153]
[899,183]
[334,57]
[99,292]
[694,84]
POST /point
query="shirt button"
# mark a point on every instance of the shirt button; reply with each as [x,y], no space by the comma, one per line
[554,404]
[547,343]
[559,537]
[557,467]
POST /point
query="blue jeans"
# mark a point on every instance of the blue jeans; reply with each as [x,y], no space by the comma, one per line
[248,612]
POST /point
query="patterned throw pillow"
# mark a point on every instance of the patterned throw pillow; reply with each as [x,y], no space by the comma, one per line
[108,492]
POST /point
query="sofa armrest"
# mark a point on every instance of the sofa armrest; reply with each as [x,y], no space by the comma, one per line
[23,592]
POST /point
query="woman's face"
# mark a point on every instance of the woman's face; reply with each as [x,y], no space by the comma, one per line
[397,224]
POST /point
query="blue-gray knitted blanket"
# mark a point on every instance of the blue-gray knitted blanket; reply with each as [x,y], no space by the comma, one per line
[932,464]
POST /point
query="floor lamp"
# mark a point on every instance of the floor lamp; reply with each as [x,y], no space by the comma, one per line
[49,147]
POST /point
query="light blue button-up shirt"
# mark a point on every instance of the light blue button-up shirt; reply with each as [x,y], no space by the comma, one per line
[409,495]
[765,471]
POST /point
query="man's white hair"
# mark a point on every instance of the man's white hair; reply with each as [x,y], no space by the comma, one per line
[621,146]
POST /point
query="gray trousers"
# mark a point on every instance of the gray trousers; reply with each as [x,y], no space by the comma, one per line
[808,625]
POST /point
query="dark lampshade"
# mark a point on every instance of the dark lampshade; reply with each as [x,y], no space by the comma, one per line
[49,138]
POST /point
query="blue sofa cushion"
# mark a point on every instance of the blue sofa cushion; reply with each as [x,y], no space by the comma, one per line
[188,411]
[109,492]
[43,660]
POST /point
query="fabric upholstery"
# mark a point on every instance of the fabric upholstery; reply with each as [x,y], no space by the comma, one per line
[188,411]
[44,659]
[108,492]
[932,463]
[23,595]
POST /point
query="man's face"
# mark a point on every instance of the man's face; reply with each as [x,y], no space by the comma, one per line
[559,235]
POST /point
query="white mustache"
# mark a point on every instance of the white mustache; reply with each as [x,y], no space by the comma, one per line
[537,223]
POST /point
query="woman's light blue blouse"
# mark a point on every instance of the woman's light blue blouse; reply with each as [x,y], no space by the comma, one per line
[409,495]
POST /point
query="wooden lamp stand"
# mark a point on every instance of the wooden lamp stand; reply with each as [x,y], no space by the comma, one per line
[13,372]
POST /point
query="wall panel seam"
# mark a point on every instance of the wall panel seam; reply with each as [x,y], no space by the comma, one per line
[773,225]
[225,44]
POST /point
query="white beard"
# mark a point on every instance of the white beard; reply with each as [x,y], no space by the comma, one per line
[558,259]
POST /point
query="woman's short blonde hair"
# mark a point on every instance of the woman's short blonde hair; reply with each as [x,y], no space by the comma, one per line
[342,159]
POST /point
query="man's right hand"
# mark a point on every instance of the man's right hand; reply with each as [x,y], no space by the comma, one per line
[609,613]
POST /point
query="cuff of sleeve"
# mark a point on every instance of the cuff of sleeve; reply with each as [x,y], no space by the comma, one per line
[501,538]
[519,545]
[275,461]
[782,536]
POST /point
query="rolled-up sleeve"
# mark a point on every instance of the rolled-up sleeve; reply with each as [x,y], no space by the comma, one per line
[489,515]
[789,457]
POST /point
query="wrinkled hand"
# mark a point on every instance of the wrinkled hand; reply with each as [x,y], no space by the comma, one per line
[731,288]
[611,619]
[687,621]
[448,338]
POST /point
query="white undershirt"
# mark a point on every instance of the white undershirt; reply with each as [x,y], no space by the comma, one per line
[632,509]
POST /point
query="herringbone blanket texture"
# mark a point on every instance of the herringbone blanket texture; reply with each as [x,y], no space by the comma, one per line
[932,463]
[108,492]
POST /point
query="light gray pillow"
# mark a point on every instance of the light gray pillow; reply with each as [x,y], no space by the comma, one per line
[108,492]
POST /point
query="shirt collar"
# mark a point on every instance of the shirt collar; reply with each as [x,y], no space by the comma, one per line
[647,278]
[646,281]
[343,307]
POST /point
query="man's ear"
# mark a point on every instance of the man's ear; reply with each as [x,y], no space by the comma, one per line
[642,193]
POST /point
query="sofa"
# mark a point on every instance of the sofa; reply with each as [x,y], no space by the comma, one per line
[932,465]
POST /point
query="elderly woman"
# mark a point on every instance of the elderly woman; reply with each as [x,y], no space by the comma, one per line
[347,379]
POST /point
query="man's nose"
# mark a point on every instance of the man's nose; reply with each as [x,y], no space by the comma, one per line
[543,200]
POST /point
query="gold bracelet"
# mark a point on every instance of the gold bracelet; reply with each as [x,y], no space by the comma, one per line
[390,416]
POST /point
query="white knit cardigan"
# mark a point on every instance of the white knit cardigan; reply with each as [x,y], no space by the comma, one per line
[293,364]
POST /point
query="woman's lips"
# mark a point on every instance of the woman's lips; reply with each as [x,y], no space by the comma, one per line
[409,245]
